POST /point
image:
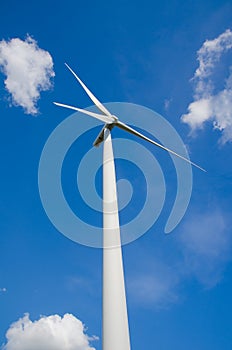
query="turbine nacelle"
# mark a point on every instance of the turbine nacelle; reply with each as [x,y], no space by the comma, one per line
[100,136]
[111,121]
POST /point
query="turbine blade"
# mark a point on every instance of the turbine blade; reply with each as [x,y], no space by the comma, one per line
[136,133]
[98,104]
[103,118]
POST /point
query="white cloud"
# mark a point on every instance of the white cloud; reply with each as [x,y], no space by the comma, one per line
[206,247]
[28,71]
[156,285]
[200,251]
[3,290]
[208,105]
[48,333]
[167,103]
[208,55]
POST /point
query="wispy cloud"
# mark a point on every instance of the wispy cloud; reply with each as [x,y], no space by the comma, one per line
[3,290]
[202,248]
[51,332]
[211,105]
[28,71]
[167,103]
[206,246]
[156,285]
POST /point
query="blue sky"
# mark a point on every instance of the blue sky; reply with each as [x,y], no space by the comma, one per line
[147,53]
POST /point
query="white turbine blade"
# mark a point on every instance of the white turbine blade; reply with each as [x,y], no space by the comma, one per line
[136,133]
[98,104]
[103,118]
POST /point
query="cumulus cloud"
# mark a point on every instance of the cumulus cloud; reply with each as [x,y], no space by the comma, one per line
[210,105]
[28,71]
[49,333]
[206,247]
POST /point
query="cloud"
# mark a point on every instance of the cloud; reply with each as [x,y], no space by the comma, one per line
[3,290]
[167,103]
[28,71]
[200,251]
[210,105]
[156,285]
[50,333]
[206,246]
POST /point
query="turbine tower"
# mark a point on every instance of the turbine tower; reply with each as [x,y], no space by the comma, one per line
[115,327]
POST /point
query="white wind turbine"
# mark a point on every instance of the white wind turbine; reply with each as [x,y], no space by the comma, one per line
[115,328]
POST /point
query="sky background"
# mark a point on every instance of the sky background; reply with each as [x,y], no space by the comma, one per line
[154,54]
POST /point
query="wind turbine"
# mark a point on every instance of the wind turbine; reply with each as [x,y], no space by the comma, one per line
[115,328]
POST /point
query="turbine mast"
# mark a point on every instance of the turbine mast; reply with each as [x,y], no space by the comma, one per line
[115,329]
